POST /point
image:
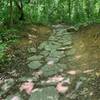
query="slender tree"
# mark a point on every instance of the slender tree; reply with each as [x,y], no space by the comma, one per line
[11,13]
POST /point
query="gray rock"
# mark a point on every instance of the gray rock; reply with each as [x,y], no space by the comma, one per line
[70,52]
[44,53]
[50,70]
[48,93]
[35,57]
[72,29]
[32,50]
[17,96]
[34,64]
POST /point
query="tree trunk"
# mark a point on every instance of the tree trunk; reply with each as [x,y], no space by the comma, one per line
[11,13]
[19,5]
[21,11]
[69,9]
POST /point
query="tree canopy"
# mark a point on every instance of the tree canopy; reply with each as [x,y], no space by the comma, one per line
[49,11]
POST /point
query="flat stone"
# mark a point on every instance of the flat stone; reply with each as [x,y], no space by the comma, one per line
[64,48]
[50,70]
[47,93]
[34,64]
[56,54]
[53,69]
[25,78]
[55,59]
[36,57]
[16,96]
[70,52]
[32,50]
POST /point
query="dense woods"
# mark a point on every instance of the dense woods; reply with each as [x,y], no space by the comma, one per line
[49,11]
[49,49]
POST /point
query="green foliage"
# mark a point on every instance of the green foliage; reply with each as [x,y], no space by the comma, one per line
[50,11]
[2,49]
[6,38]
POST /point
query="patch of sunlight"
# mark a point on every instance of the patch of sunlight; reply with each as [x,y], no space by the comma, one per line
[88,71]
[98,74]
[78,56]
[82,45]
[91,93]
[73,72]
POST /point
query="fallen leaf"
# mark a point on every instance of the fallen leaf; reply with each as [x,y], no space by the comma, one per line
[61,89]
[27,86]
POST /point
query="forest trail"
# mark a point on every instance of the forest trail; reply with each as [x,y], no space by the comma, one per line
[44,53]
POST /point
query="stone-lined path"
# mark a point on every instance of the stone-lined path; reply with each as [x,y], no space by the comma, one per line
[54,71]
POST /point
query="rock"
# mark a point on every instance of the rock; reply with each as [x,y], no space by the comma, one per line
[42,45]
[58,26]
[34,64]
[7,85]
[17,96]
[44,53]
[32,50]
[56,54]
[35,57]
[53,69]
[70,52]
[64,48]
[78,85]
[53,59]
[51,62]
[24,78]
[72,29]
[47,93]
[50,70]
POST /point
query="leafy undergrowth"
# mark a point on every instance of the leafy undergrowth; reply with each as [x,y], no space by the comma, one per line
[52,65]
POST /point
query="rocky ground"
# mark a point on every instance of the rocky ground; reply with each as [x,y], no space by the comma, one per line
[52,71]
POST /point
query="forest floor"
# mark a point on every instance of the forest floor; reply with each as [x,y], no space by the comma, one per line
[51,63]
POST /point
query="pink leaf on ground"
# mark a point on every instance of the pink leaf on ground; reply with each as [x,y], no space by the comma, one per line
[61,89]
[27,86]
